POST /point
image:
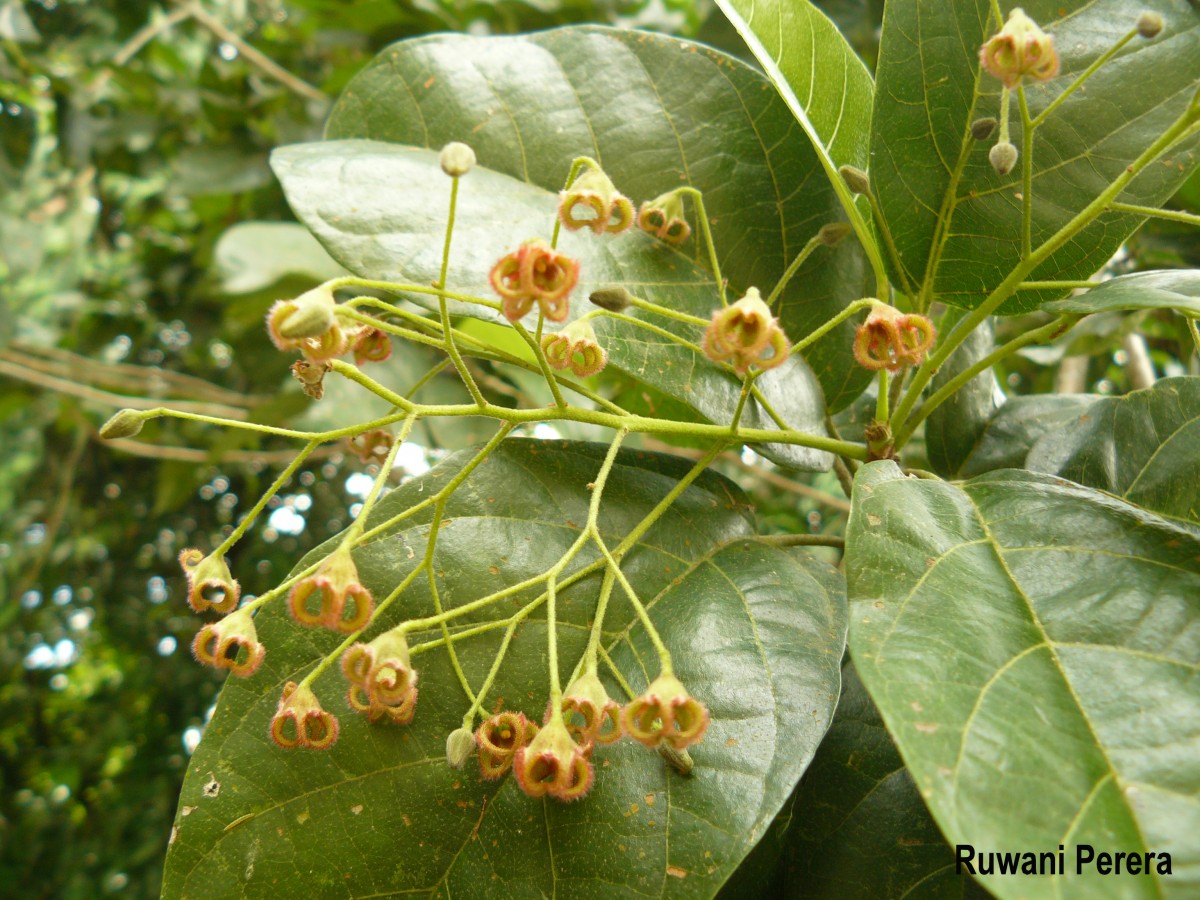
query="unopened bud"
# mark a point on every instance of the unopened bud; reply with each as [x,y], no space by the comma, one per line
[856,179]
[457,159]
[460,746]
[1149,24]
[309,315]
[981,129]
[614,299]
[1003,157]
[833,233]
[126,423]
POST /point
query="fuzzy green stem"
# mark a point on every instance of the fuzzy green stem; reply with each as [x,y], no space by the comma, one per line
[702,216]
[747,383]
[576,165]
[805,253]
[354,532]
[1083,76]
[1173,215]
[447,332]
[1026,174]
[401,287]
[850,310]
[667,312]
[276,485]
[1195,332]
[535,346]
[355,374]
[881,401]
[439,512]
[456,636]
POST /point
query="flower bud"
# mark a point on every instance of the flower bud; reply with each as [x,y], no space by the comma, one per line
[614,299]
[124,424]
[460,746]
[308,316]
[1018,50]
[1149,24]
[457,159]
[833,233]
[981,129]
[856,179]
[664,218]
[1003,157]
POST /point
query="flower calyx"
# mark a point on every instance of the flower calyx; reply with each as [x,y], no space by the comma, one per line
[665,713]
[334,583]
[301,722]
[592,717]
[371,345]
[743,332]
[553,764]
[1020,49]
[533,273]
[371,446]
[125,424]
[575,348]
[499,738]
[460,746]
[664,218]
[209,581]
[383,683]
[593,201]
[221,644]
[890,339]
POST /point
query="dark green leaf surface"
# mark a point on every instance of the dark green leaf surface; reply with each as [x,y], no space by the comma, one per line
[1177,289]
[1033,647]
[381,210]
[859,826]
[929,91]
[952,430]
[1143,447]
[757,633]
[657,113]
[1017,425]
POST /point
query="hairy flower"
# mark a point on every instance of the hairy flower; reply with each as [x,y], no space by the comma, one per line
[533,273]
[371,345]
[383,683]
[743,332]
[222,643]
[553,764]
[575,348]
[592,717]
[891,340]
[334,583]
[325,347]
[499,738]
[665,713]
[1018,50]
[592,201]
[209,582]
[311,377]
[664,218]
[292,322]
[301,722]
[371,446]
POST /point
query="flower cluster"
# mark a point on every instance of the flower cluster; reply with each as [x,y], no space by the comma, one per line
[592,201]
[383,683]
[309,324]
[746,334]
[343,604]
[1019,50]
[555,760]
[575,348]
[533,273]
[891,340]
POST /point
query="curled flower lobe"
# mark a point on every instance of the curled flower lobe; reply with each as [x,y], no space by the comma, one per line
[745,334]
[592,201]
[553,764]
[230,643]
[533,273]
[575,348]
[383,683]
[664,218]
[891,340]
[591,716]
[325,347]
[300,721]
[665,713]
[371,345]
[1020,49]
[332,597]
[499,738]
[209,582]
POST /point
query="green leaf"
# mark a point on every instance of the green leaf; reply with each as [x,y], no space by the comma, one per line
[1016,426]
[757,634]
[251,256]
[1033,647]
[658,113]
[1141,447]
[380,210]
[953,429]
[1177,289]
[860,827]
[929,92]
